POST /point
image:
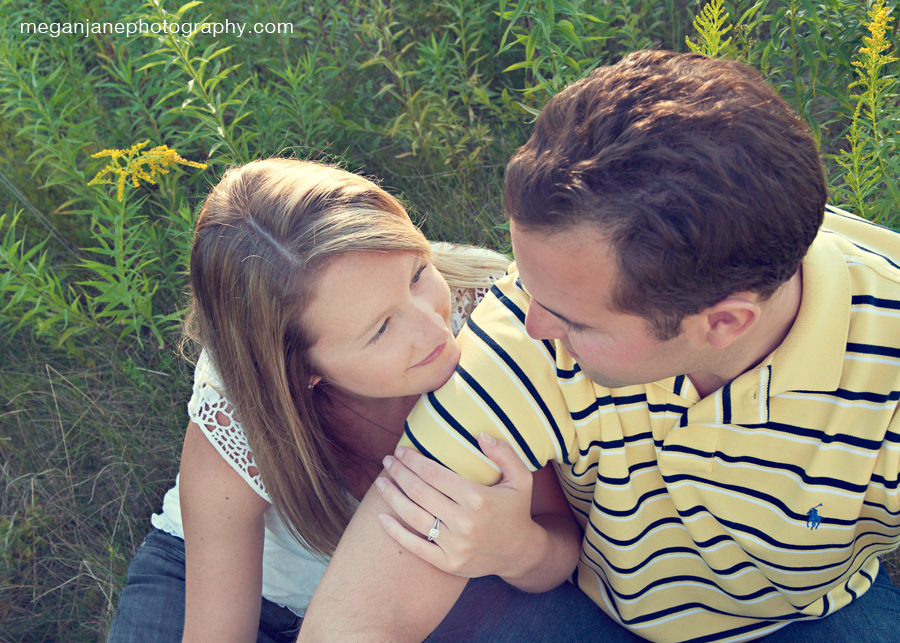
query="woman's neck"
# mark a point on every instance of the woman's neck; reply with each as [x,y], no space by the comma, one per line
[378,416]
[374,425]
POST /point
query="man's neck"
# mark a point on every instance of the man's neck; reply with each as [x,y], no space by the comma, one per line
[749,350]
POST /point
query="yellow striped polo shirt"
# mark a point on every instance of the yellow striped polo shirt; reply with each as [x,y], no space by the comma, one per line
[714,519]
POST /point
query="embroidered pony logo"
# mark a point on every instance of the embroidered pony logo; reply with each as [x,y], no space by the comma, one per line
[812,517]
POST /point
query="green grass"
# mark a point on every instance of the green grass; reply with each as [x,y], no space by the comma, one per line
[431,98]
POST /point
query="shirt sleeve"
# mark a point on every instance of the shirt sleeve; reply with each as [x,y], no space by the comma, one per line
[210,409]
[505,385]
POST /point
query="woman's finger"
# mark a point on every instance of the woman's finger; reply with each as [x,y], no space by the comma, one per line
[409,512]
[433,475]
[418,483]
[515,472]
[427,551]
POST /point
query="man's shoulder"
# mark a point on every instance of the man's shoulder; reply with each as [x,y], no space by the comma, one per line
[869,369]
[500,316]
[862,239]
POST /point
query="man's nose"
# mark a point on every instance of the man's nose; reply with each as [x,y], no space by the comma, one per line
[541,324]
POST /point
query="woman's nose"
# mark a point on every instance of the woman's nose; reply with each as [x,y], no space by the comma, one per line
[432,326]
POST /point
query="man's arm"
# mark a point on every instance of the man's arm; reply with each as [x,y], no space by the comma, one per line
[375,590]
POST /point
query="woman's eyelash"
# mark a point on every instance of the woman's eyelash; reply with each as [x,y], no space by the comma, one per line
[381,331]
[384,326]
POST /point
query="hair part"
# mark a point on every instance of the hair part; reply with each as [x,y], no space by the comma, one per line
[697,173]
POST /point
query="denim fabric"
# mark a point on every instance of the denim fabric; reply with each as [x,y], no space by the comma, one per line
[151,609]
[151,606]
[873,618]
[490,611]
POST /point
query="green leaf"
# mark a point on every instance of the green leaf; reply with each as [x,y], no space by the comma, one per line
[531,44]
[186,7]
[567,30]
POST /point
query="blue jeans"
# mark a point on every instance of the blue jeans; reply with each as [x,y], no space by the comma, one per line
[151,606]
[151,609]
[490,611]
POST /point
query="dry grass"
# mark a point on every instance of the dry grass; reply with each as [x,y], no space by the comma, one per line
[86,456]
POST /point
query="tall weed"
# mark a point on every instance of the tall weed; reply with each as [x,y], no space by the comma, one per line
[870,164]
[553,39]
[205,74]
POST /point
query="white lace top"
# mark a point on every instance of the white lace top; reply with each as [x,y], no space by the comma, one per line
[290,572]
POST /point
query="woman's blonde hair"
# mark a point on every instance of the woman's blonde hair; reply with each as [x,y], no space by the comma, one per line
[264,235]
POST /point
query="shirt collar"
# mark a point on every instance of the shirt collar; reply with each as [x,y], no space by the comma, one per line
[811,357]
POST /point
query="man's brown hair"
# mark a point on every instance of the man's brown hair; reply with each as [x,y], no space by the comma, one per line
[697,173]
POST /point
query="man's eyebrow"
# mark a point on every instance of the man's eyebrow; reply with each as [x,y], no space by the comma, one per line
[565,319]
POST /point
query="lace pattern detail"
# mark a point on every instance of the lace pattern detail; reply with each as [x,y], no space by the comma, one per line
[214,414]
[210,409]
[464,300]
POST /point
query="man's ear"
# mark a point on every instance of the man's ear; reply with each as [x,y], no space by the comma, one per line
[730,319]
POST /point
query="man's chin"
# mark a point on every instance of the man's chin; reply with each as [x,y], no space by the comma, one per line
[605,381]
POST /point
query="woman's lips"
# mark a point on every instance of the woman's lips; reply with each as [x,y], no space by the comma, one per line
[432,356]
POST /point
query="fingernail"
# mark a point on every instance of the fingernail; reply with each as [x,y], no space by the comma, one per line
[489,439]
[399,451]
[387,462]
[380,483]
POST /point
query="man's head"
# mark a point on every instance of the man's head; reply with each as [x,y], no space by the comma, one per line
[696,176]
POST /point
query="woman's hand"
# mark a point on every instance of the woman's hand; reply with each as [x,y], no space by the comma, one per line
[521,529]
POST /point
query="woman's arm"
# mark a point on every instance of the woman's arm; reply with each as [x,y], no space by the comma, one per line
[521,529]
[374,590]
[224,531]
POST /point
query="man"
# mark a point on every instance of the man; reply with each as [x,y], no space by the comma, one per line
[713,370]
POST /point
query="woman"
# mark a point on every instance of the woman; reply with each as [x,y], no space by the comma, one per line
[324,314]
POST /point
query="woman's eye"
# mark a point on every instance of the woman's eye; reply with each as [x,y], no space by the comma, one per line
[381,331]
[419,272]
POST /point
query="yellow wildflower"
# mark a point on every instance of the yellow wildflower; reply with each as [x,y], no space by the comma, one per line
[130,163]
[873,58]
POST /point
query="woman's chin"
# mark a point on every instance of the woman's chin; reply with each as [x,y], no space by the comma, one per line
[453,355]
[448,362]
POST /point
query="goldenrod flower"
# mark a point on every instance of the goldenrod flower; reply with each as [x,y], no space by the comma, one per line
[873,58]
[866,171]
[710,27]
[125,164]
